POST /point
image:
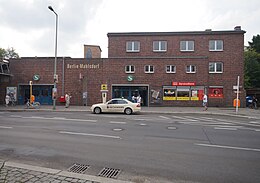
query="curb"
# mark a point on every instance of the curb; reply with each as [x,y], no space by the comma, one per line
[63,173]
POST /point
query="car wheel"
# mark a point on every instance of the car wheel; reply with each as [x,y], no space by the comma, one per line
[97,110]
[128,111]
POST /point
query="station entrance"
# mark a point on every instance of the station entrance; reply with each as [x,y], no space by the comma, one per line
[42,94]
[128,91]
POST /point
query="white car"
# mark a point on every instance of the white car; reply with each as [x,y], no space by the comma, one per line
[116,105]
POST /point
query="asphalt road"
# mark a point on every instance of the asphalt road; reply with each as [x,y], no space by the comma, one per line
[154,147]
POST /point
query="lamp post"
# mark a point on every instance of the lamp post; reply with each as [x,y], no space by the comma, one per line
[54,92]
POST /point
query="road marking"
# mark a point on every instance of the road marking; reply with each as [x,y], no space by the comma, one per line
[89,134]
[143,124]
[164,117]
[63,119]
[222,128]
[117,122]
[228,147]
[178,117]
[16,116]
[254,122]
[257,130]
[6,127]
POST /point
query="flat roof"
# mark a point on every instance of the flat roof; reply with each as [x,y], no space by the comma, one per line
[206,32]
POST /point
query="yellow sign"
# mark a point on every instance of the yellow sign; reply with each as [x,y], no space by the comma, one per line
[104,87]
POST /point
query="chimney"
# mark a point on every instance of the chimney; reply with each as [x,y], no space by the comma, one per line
[237,28]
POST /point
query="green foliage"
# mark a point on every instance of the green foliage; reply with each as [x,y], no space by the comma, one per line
[8,53]
[252,69]
[255,44]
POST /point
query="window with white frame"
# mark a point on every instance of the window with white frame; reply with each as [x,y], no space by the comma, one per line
[132,46]
[191,69]
[216,45]
[215,67]
[160,46]
[149,69]
[170,69]
[129,69]
[187,45]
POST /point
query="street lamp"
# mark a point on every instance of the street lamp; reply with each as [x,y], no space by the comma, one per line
[54,92]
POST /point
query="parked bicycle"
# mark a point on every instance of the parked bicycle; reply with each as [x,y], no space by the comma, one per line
[34,105]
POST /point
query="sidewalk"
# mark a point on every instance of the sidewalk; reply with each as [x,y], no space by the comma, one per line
[242,112]
[11,172]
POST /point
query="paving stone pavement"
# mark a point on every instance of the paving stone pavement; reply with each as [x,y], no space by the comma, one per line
[19,175]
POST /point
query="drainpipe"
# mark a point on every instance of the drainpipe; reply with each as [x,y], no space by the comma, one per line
[63,66]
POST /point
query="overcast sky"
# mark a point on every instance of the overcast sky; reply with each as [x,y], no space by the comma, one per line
[29,26]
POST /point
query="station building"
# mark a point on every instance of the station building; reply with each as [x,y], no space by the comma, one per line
[164,68]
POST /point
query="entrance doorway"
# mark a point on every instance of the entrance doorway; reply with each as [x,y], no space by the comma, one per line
[128,91]
[42,93]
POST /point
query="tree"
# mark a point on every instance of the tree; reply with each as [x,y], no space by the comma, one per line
[255,44]
[252,69]
[8,53]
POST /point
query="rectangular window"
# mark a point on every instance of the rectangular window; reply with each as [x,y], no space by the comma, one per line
[170,69]
[191,69]
[216,45]
[169,93]
[132,46]
[187,45]
[197,92]
[183,93]
[215,67]
[129,69]
[160,46]
[149,69]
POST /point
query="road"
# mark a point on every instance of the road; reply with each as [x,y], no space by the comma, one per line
[152,147]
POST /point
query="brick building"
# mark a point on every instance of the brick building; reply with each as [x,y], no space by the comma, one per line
[165,68]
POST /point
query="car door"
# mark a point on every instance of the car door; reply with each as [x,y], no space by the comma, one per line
[113,106]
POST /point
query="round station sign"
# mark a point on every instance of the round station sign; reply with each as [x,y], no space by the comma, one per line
[130,78]
[36,77]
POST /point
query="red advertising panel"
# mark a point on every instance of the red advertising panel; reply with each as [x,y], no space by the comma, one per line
[216,93]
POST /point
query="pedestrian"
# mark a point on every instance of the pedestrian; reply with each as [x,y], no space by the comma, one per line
[139,99]
[7,100]
[254,102]
[205,102]
[67,99]
[134,99]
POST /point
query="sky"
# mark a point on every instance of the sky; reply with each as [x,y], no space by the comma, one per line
[29,26]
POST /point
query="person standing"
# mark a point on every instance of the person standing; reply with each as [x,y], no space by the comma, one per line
[205,102]
[7,100]
[67,99]
[139,99]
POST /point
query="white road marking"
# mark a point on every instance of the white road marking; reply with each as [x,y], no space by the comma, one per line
[228,147]
[254,122]
[182,118]
[164,117]
[222,128]
[6,127]
[257,130]
[89,134]
[16,116]
[64,119]
[117,122]
[143,124]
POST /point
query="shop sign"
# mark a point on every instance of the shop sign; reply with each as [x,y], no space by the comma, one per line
[183,83]
[36,77]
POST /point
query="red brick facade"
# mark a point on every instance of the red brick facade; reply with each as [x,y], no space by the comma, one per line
[84,75]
